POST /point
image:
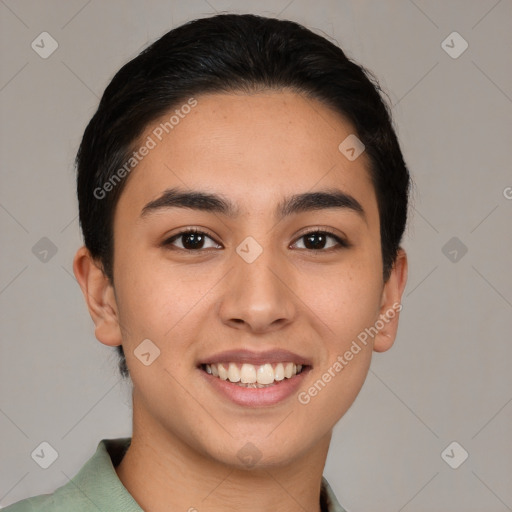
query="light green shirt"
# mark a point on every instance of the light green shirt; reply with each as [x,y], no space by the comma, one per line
[97,488]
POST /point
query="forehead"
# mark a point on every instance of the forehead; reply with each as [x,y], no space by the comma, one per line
[254,148]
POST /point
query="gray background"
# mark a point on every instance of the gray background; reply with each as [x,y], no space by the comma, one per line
[448,376]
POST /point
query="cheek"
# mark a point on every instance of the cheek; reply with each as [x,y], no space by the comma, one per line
[347,299]
[349,303]
[161,301]
[150,308]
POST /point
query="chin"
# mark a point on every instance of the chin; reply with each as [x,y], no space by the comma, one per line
[258,451]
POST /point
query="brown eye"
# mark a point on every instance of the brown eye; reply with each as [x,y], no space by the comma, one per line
[321,240]
[191,240]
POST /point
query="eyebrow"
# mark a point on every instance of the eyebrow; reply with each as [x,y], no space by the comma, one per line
[209,202]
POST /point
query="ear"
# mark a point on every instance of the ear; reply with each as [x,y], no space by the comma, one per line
[390,304]
[99,296]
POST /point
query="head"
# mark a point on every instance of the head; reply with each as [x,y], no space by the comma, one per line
[237,126]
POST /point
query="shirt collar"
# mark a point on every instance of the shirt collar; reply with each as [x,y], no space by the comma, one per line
[99,483]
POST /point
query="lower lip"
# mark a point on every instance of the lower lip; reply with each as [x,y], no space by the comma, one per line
[256,397]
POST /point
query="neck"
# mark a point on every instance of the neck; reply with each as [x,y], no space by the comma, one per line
[164,473]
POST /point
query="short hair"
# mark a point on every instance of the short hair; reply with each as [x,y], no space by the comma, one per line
[231,53]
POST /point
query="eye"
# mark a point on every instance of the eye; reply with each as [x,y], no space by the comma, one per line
[321,240]
[195,240]
[191,240]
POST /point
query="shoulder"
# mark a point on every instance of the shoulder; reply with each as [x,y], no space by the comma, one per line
[65,498]
[95,487]
[40,503]
[55,502]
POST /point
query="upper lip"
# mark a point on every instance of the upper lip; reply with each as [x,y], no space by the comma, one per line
[256,358]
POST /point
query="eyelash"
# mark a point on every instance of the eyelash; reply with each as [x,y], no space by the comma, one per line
[342,244]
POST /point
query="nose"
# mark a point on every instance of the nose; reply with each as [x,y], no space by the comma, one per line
[258,296]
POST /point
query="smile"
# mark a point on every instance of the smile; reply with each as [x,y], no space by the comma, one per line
[253,376]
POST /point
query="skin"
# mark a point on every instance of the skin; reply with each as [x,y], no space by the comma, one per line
[254,150]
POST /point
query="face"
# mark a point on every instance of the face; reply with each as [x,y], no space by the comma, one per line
[278,262]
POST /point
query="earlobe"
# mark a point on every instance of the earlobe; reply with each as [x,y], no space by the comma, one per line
[99,296]
[391,306]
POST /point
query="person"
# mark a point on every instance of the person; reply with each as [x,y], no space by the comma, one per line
[242,196]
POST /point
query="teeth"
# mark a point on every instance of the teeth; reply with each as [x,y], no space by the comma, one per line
[253,376]
[233,373]
[248,374]
[223,373]
[265,374]
[279,372]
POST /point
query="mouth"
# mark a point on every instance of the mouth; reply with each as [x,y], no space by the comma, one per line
[249,375]
[255,379]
